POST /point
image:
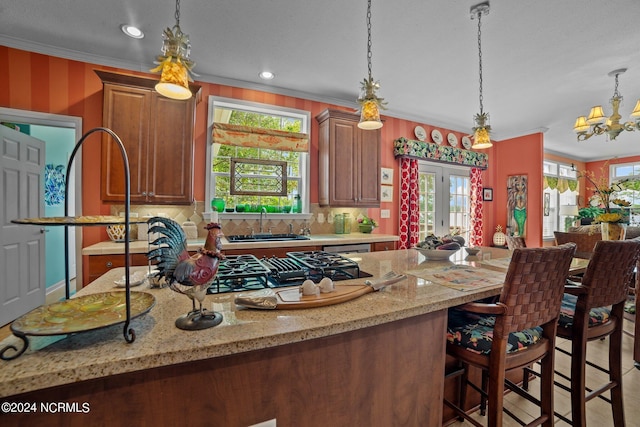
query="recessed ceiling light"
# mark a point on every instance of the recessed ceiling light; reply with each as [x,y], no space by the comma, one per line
[131,31]
[266,75]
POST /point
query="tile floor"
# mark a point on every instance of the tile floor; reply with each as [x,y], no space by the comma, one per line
[598,411]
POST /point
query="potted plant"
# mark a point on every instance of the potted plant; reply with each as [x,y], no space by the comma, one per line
[588,214]
[612,221]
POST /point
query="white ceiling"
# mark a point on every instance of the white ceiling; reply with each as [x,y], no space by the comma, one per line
[545,61]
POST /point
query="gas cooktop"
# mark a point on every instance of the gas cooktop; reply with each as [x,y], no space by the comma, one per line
[247,272]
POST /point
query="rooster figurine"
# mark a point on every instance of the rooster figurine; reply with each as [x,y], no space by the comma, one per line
[190,275]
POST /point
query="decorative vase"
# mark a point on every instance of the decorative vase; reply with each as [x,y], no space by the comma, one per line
[217,204]
[613,230]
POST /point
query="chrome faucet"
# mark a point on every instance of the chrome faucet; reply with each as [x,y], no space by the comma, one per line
[262,211]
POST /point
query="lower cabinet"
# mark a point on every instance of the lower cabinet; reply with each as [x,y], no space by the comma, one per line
[100,264]
[383,246]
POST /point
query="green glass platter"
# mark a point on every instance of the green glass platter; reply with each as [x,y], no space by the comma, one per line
[83,313]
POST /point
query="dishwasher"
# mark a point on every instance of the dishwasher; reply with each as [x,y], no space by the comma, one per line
[359,247]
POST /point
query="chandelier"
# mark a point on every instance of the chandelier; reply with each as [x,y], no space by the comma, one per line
[482,129]
[597,123]
[174,63]
[370,104]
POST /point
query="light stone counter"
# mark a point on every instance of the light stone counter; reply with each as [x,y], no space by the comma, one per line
[52,361]
[140,246]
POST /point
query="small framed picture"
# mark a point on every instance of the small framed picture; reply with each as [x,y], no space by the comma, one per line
[386,176]
[386,193]
[487,194]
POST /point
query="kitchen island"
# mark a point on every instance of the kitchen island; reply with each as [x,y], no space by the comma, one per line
[376,361]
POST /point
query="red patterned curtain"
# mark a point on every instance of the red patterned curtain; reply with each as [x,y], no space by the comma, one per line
[476,236]
[409,209]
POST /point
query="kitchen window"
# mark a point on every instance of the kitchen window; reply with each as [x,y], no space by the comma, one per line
[629,173]
[560,188]
[257,157]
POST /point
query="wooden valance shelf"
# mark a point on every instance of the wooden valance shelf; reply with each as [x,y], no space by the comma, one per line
[403,147]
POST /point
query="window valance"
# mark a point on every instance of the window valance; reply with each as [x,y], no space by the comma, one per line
[561,184]
[421,150]
[246,136]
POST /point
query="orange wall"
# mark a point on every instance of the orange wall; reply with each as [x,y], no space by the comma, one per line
[516,156]
[36,82]
[52,85]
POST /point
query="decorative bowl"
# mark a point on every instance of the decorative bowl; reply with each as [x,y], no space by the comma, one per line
[472,251]
[116,232]
[365,228]
[434,254]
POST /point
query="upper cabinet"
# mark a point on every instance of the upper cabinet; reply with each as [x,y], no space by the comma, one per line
[158,135]
[349,161]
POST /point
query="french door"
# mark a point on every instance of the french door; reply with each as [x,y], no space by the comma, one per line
[445,202]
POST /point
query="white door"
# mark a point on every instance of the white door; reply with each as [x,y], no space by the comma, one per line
[22,273]
[444,200]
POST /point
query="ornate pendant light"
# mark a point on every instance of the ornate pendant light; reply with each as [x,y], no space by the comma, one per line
[174,63]
[482,129]
[597,123]
[370,104]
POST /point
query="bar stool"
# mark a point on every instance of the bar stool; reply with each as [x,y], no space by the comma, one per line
[517,331]
[593,309]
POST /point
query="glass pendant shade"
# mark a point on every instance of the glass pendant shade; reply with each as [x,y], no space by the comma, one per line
[636,110]
[481,138]
[370,116]
[174,81]
[581,124]
[596,115]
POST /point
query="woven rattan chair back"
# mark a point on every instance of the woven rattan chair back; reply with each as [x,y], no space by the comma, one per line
[533,287]
[585,242]
[610,272]
[515,242]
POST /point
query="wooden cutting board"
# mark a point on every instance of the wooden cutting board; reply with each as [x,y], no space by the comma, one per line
[291,298]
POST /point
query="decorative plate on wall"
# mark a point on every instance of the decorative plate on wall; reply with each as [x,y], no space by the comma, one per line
[436,136]
[452,140]
[421,134]
[466,142]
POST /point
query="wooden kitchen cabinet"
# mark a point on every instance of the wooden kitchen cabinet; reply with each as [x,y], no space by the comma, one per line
[349,161]
[383,246]
[158,135]
[100,264]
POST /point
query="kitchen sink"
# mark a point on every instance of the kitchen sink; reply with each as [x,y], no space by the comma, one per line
[239,238]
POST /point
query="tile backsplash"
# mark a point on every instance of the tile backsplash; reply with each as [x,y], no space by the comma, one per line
[318,221]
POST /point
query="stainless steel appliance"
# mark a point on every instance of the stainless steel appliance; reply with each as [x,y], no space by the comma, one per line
[359,247]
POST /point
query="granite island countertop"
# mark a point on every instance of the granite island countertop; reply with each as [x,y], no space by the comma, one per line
[52,361]
[142,246]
